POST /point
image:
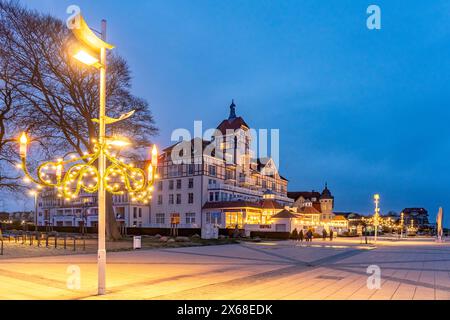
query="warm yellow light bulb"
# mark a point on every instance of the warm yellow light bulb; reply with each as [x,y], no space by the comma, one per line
[23,145]
[86,58]
[154,156]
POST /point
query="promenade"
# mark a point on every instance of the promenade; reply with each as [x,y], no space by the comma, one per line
[412,269]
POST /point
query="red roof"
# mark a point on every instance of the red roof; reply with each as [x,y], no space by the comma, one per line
[308,210]
[285,214]
[232,124]
[270,204]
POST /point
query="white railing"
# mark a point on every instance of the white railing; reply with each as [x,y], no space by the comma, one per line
[258,227]
[168,225]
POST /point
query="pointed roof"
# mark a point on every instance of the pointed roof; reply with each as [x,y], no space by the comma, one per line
[233,122]
[285,214]
[326,193]
[271,204]
[232,111]
[308,210]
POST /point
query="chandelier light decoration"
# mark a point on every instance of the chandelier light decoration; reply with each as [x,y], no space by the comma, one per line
[100,170]
[77,174]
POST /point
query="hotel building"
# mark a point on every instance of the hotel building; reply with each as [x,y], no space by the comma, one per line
[203,183]
[200,178]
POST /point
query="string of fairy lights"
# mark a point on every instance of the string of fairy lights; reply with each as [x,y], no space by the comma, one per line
[77,174]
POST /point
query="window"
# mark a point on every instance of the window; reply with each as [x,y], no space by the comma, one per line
[160,218]
[170,198]
[170,184]
[178,198]
[216,196]
[212,170]
[160,199]
[173,171]
[191,183]
[160,185]
[211,196]
[190,198]
[229,175]
[179,184]
[214,217]
[191,169]
[140,213]
[180,169]
[134,212]
[190,218]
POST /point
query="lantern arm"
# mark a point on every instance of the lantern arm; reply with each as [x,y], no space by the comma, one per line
[109,120]
[84,34]
[40,180]
[27,172]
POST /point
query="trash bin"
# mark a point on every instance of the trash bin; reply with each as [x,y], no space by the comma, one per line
[136,242]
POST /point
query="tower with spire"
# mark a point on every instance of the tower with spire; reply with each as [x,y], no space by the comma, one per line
[232,111]
[326,204]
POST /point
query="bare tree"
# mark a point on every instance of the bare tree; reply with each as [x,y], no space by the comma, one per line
[59,96]
[9,178]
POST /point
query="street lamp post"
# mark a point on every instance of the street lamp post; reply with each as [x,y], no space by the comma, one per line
[83,175]
[35,194]
[402,221]
[376,215]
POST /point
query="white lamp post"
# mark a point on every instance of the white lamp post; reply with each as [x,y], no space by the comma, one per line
[376,215]
[70,181]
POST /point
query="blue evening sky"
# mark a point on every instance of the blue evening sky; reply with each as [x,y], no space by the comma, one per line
[365,110]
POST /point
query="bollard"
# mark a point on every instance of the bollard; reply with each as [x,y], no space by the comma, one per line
[38,238]
[31,239]
[74,244]
[56,241]
[46,240]
[65,242]
[84,244]
[1,250]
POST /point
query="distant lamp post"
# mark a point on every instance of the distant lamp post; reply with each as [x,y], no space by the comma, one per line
[376,216]
[70,177]
[35,194]
[402,224]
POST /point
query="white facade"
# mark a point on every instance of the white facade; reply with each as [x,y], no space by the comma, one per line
[54,211]
[193,173]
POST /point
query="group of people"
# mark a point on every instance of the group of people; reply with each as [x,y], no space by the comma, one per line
[308,235]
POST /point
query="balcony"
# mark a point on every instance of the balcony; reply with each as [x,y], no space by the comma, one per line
[246,181]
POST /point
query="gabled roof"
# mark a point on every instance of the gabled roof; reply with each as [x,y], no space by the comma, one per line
[270,204]
[232,124]
[285,214]
[305,194]
[308,210]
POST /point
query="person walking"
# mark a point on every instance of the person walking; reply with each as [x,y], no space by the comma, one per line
[301,236]
[331,234]
[309,235]
[324,234]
